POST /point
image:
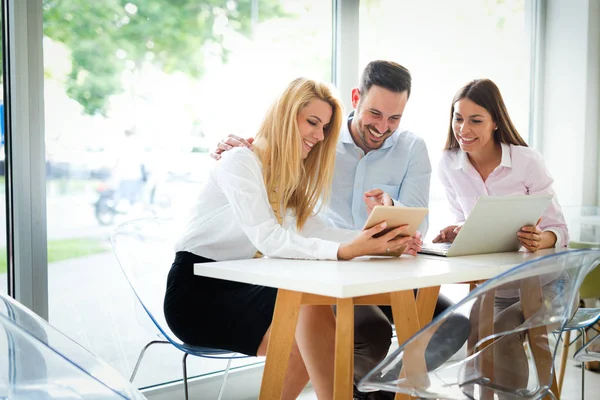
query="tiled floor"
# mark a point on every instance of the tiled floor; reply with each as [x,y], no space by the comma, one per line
[571,391]
[572,383]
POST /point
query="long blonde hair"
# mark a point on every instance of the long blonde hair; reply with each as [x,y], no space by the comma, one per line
[291,182]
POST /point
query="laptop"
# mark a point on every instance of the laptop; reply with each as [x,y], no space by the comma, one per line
[492,226]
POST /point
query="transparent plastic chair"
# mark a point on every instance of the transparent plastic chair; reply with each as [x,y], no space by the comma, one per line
[589,352]
[584,318]
[509,355]
[39,362]
[144,249]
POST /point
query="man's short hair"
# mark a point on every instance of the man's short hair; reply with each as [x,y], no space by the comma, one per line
[386,74]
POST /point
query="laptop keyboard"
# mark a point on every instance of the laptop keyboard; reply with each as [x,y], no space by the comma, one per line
[435,248]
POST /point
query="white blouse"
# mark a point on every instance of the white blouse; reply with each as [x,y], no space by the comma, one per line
[232,219]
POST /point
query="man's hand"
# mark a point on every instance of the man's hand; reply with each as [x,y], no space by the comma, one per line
[229,143]
[376,197]
[448,234]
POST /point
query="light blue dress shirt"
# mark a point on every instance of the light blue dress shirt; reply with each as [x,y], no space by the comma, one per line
[399,167]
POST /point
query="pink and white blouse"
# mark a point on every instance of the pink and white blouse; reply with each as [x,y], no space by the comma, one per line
[521,171]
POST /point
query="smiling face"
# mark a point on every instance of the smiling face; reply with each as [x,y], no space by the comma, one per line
[473,127]
[377,116]
[313,120]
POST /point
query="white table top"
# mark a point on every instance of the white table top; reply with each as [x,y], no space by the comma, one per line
[364,276]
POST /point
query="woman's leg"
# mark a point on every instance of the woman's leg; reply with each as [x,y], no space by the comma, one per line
[315,335]
[312,353]
[296,376]
[511,367]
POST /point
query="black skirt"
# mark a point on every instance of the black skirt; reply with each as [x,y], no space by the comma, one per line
[216,313]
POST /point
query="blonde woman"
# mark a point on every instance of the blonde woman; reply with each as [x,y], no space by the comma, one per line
[263,201]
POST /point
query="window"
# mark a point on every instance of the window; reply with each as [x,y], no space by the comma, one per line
[136,97]
[3,255]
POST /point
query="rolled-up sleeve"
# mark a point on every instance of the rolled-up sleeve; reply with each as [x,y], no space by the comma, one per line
[414,191]
[241,181]
[455,207]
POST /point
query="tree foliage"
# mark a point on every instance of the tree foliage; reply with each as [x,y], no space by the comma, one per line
[106,37]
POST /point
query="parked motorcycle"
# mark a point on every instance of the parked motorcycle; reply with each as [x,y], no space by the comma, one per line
[105,206]
[109,205]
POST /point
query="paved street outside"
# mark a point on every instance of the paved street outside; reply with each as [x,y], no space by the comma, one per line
[91,302]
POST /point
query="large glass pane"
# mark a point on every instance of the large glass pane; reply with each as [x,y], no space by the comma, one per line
[136,94]
[445,44]
[3,243]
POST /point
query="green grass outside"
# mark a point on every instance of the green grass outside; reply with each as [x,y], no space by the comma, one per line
[69,186]
[63,186]
[59,250]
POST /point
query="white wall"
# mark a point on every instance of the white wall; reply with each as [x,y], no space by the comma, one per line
[570,104]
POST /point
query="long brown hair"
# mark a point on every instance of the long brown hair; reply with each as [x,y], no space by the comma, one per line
[291,182]
[486,94]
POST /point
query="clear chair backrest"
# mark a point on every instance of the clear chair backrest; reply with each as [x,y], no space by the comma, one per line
[548,289]
[590,351]
[144,249]
[39,362]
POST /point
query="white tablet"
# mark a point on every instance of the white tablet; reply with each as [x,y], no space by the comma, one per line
[396,216]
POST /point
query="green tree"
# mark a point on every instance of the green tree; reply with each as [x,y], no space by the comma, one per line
[107,36]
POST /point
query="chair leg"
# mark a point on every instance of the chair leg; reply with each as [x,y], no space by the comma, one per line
[139,360]
[582,381]
[222,388]
[583,342]
[185,381]
[563,360]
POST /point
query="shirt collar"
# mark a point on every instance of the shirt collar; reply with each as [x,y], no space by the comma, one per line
[346,135]
[506,160]
[461,160]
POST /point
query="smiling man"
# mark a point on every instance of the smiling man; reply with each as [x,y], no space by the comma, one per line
[376,162]
[379,163]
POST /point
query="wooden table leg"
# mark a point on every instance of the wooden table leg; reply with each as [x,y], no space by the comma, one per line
[283,329]
[531,302]
[344,350]
[486,329]
[471,367]
[563,360]
[426,301]
[406,320]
